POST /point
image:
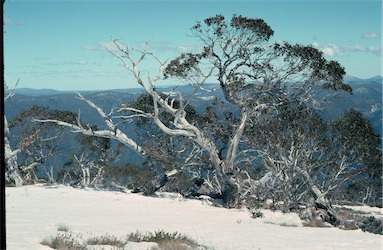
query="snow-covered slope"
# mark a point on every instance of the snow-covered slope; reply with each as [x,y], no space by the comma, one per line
[35,212]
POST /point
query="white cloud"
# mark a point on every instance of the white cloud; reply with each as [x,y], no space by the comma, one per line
[334,50]
[367,49]
[8,21]
[372,35]
[329,49]
[41,58]
[163,46]
[103,46]
[91,47]
[101,73]
[79,62]
[189,48]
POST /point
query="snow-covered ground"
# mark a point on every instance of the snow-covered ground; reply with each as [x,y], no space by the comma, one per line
[34,213]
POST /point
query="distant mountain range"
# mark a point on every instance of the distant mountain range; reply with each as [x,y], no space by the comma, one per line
[356,80]
[366,98]
[47,92]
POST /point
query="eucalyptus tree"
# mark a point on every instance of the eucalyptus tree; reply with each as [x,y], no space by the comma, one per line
[255,74]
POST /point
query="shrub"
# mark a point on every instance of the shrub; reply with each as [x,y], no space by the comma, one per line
[164,240]
[106,239]
[131,176]
[63,228]
[65,241]
[371,225]
[180,183]
[352,220]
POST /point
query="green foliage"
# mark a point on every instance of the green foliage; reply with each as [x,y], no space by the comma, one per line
[40,112]
[254,25]
[183,65]
[286,126]
[251,70]
[179,183]
[319,70]
[39,142]
[145,103]
[132,176]
[356,138]
[359,137]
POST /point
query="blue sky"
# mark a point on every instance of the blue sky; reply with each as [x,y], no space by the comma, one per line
[60,44]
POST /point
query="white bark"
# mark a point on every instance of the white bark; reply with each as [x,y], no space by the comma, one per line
[12,173]
[235,140]
[181,124]
[10,156]
[113,133]
[90,173]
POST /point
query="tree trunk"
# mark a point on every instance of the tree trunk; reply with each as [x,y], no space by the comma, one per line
[321,202]
[12,174]
[229,187]
[230,192]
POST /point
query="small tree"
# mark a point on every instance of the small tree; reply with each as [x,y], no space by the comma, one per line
[86,167]
[359,146]
[38,142]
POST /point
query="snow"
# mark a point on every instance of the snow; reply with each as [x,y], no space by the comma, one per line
[207,98]
[366,210]
[33,213]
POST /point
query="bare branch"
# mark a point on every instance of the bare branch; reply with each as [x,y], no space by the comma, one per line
[117,134]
